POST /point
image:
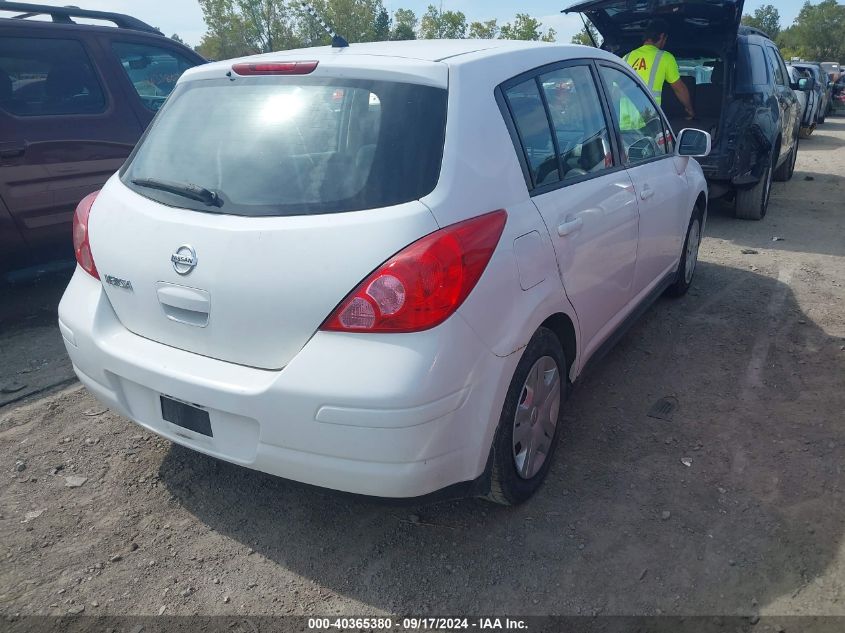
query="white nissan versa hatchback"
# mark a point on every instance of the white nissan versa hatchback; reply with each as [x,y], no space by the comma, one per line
[378,268]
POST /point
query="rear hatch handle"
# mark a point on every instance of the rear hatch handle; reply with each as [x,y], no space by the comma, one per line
[183,304]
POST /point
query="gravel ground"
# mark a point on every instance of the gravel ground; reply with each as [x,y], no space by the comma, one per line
[734,506]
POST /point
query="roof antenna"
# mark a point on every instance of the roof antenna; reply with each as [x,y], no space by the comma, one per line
[337,40]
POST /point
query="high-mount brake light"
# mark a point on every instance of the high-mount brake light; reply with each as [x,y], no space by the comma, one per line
[275,68]
[81,245]
[424,283]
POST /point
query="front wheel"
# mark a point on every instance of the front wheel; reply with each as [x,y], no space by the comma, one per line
[530,422]
[689,258]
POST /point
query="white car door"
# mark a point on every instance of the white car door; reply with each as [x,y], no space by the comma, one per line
[582,191]
[659,176]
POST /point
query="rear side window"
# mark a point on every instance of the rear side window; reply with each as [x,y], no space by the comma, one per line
[751,69]
[267,146]
[532,124]
[152,70]
[47,77]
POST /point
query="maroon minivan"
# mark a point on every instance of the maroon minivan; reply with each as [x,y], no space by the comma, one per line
[74,99]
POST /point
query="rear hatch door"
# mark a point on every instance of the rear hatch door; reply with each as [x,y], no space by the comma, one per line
[709,23]
[316,181]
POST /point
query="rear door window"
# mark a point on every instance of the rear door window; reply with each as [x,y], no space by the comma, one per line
[782,65]
[152,70]
[535,133]
[775,65]
[578,118]
[48,77]
[267,146]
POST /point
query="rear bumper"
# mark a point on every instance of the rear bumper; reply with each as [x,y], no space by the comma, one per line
[390,416]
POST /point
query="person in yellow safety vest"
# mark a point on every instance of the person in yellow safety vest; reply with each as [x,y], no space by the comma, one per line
[656,66]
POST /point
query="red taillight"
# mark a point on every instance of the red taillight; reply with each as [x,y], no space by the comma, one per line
[422,285]
[81,246]
[275,68]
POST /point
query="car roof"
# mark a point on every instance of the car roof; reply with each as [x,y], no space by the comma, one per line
[423,50]
[418,59]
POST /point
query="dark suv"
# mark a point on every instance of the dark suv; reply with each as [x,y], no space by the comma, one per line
[74,99]
[738,82]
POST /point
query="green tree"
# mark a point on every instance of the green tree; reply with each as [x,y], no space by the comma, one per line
[404,25]
[224,37]
[175,37]
[356,20]
[765,18]
[484,30]
[583,36]
[818,31]
[266,24]
[524,27]
[436,24]
[382,26]
[789,43]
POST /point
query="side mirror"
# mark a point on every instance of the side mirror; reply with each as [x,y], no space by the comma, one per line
[806,84]
[695,143]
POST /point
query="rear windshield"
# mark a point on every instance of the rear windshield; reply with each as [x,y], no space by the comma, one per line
[267,146]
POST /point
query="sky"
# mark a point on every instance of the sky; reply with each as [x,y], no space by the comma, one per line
[185,18]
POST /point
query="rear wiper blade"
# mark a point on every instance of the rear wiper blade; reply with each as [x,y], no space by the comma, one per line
[186,189]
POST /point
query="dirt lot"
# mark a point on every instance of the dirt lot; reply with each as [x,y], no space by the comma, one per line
[755,356]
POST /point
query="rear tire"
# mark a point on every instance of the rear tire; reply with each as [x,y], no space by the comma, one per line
[531,419]
[753,203]
[785,171]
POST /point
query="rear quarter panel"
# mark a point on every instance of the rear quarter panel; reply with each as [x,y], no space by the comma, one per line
[481,173]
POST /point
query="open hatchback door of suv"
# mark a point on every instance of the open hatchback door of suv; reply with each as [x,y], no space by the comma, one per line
[713,24]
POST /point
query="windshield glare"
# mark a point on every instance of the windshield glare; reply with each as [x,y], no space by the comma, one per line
[271,147]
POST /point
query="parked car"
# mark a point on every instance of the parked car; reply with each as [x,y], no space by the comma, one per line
[839,96]
[832,69]
[746,101]
[74,99]
[795,76]
[823,86]
[807,96]
[296,269]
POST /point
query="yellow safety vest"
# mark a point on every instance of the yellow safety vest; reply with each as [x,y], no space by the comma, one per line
[652,65]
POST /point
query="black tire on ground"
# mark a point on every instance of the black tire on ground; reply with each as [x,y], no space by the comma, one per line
[507,486]
[752,204]
[682,283]
[785,171]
